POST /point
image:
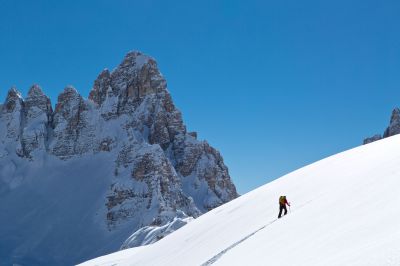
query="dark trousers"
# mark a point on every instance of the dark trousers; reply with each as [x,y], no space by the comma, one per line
[281,208]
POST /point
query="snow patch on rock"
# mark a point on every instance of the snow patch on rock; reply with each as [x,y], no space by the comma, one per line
[151,234]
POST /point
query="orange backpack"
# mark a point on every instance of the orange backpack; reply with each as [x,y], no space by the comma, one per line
[282,200]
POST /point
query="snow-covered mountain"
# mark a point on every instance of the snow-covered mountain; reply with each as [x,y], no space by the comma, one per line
[344,211]
[93,175]
[391,130]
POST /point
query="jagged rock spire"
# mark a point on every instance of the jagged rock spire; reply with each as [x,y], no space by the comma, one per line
[35,91]
[13,92]
[391,130]
[70,94]
[135,77]
[394,126]
[101,86]
[13,100]
[36,98]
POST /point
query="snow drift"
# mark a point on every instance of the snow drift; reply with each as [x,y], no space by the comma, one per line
[344,212]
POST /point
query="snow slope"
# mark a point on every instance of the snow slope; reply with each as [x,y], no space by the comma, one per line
[344,212]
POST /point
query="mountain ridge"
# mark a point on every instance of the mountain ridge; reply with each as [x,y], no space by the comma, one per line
[155,170]
[391,130]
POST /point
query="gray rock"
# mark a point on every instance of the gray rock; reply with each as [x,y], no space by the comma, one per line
[372,139]
[391,130]
[161,170]
[394,126]
[11,116]
[37,118]
[73,132]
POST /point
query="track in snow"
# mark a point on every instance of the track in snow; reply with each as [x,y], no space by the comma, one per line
[219,255]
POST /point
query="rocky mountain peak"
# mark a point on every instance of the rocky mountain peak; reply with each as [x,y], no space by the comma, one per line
[394,126]
[37,99]
[69,96]
[129,148]
[35,91]
[13,93]
[13,100]
[135,77]
[135,59]
[69,92]
[392,129]
[395,117]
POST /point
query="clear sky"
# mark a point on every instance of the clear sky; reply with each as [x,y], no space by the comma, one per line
[274,85]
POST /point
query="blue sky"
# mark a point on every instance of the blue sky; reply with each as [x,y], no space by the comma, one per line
[274,85]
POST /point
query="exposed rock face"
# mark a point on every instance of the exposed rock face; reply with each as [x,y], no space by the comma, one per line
[73,130]
[394,126]
[372,139]
[11,115]
[392,129]
[159,169]
[36,120]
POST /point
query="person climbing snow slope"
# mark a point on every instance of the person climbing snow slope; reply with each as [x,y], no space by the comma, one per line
[282,205]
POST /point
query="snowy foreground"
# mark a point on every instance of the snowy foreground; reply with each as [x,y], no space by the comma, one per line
[345,211]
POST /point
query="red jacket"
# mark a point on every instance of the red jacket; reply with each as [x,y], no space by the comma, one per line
[283,201]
